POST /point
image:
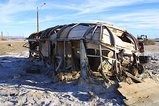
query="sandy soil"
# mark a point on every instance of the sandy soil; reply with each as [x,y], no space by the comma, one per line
[20,88]
[10,47]
[153,52]
[152,48]
[145,93]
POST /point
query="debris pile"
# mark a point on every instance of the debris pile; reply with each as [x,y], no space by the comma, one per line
[87,49]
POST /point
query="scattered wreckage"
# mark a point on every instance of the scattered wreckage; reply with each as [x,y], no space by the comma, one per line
[89,49]
[97,51]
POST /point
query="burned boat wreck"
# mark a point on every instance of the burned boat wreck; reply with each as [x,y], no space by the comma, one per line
[87,48]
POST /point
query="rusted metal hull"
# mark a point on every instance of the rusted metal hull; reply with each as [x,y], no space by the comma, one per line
[97,47]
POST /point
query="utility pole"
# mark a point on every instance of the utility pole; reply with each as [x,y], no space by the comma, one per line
[37,19]
[1,34]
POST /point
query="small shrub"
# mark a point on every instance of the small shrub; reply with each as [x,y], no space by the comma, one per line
[149,42]
[3,39]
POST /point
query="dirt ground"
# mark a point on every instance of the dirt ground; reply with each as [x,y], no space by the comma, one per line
[23,89]
[152,48]
[145,93]
[153,52]
[9,47]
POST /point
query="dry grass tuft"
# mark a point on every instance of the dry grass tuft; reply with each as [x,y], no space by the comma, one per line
[149,42]
[3,38]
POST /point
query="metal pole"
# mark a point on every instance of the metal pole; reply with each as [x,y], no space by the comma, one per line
[64,52]
[1,34]
[83,61]
[37,19]
[101,57]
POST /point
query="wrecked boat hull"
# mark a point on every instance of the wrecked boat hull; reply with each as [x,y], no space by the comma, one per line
[87,48]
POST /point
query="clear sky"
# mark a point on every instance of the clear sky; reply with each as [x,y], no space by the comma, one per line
[18,17]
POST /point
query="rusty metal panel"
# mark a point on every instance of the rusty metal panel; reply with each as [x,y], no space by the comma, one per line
[65,32]
[53,36]
[78,31]
[45,48]
[106,37]
[96,34]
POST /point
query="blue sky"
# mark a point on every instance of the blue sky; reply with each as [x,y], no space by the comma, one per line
[18,17]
